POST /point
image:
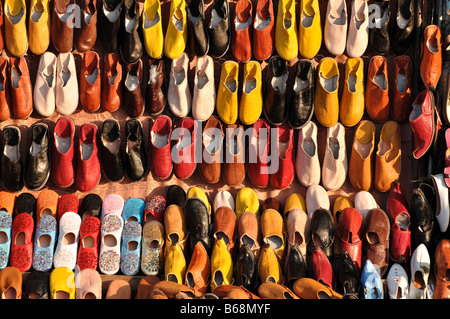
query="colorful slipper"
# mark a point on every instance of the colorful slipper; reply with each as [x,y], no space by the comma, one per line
[68,203]
[112,204]
[25,203]
[447,158]
[111,233]
[133,210]
[22,242]
[67,246]
[89,242]
[7,201]
[131,248]
[5,232]
[44,243]
[47,204]
[154,209]
[152,248]
[91,206]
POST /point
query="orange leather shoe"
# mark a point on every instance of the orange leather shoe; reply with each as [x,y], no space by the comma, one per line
[21,91]
[431,63]
[10,283]
[248,232]
[199,269]
[90,82]
[388,160]
[225,226]
[5,102]
[308,288]
[377,89]
[263,30]
[271,290]
[402,96]
[241,34]
[352,101]
[175,227]
[326,97]
[442,265]
[272,229]
[360,165]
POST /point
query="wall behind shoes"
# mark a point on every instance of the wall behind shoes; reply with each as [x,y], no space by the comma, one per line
[150,186]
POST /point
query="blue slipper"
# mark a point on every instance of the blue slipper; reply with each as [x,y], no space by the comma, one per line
[5,228]
[133,208]
[44,243]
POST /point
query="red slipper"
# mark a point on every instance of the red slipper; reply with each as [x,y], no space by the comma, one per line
[22,242]
[154,209]
[68,203]
[89,243]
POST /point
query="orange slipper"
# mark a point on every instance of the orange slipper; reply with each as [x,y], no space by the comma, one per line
[7,201]
[47,204]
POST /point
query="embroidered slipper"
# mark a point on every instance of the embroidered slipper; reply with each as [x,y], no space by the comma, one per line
[89,243]
[111,231]
[44,243]
[67,246]
[152,248]
[91,205]
[112,204]
[130,260]
[47,204]
[447,158]
[5,233]
[68,203]
[25,203]
[133,210]
[22,242]
[7,201]
[154,208]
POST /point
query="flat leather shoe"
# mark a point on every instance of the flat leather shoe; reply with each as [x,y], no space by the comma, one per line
[131,47]
[301,109]
[62,25]
[347,281]
[335,31]
[44,92]
[155,93]
[349,237]
[67,88]
[5,95]
[113,166]
[376,241]
[379,39]
[377,89]
[212,146]
[197,28]
[132,91]
[246,266]
[422,215]
[108,25]
[88,164]
[176,37]
[322,232]
[198,223]
[275,90]
[431,52]
[111,82]
[241,31]
[326,100]
[422,121]
[16,38]
[219,28]
[86,35]
[39,26]
[21,90]
[402,32]
[263,30]
[402,98]
[360,171]
[11,161]
[62,154]
[135,151]
[442,260]
[90,82]
[37,167]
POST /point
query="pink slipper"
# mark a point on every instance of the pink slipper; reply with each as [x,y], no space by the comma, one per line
[112,204]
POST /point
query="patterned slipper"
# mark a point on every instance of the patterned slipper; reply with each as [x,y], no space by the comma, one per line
[25,203]
[154,208]
[5,233]
[131,248]
[67,203]
[44,243]
[7,201]
[111,233]
[22,242]
[152,252]
[133,210]
[112,204]
[47,204]
[67,246]
[91,206]
[89,242]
